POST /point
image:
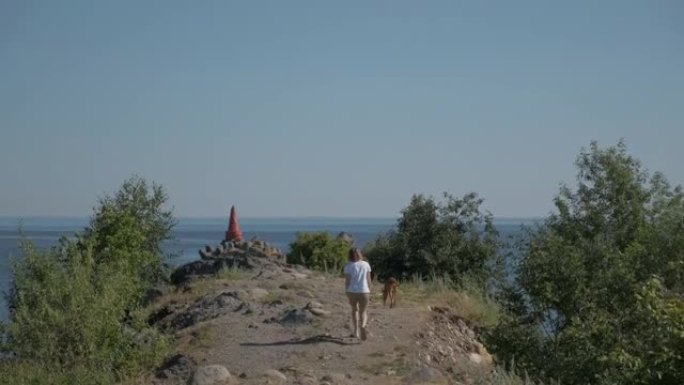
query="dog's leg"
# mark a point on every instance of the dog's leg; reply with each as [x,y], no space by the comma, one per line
[394,297]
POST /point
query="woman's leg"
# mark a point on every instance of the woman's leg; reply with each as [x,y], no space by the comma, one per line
[354,302]
[363,314]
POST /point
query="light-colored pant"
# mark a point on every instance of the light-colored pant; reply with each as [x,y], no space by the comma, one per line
[359,304]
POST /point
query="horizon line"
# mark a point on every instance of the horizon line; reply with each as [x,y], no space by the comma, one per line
[256,217]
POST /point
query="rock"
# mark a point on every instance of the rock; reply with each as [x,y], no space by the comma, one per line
[233,251]
[198,268]
[481,359]
[176,366]
[204,309]
[475,358]
[242,294]
[152,295]
[319,312]
[257,252]
[160,314]
[274,377]
[210,375]
[335,379]
[426,375]
[296,317]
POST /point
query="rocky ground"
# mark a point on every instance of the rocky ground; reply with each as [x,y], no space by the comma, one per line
[241,315]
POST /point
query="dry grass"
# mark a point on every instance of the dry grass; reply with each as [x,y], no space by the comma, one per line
[232,273]
[499,376]
[276,296]
[397,367]
[203,336]
[466,300]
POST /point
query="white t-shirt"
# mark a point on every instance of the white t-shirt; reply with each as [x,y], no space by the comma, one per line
[357,276]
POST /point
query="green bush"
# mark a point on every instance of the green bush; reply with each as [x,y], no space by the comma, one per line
[319,250]
[75,308]
[32,373]
[435,238]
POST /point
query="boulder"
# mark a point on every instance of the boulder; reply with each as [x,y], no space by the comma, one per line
[152,294]
[206,252]
[186,272]
[210,375]
[203,309]
[274,377]
[336,379]
[297,317]
[176,366]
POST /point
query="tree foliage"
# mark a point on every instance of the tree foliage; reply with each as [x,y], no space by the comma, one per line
[76,307]
[599,283]
[318,250]
[128,228]
[451,237]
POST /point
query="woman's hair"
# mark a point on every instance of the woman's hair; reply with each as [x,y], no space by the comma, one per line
[355,254]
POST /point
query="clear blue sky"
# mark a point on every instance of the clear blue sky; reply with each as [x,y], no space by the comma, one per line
[321,108]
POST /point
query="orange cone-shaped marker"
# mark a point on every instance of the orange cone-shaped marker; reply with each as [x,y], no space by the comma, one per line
[234,233]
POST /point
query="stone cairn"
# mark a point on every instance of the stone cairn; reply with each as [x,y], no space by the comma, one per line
[230,249]
[234,244]
[233,251]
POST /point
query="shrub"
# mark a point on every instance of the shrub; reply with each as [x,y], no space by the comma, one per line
[75,307]
[318,250]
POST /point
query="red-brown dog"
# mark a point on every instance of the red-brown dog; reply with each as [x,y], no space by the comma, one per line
[390,292]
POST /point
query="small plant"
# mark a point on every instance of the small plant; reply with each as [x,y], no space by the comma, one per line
[203,336]
[232,273]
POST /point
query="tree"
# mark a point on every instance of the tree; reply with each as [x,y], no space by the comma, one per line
[450,237]
[590,275]
[128,228]
[319,250]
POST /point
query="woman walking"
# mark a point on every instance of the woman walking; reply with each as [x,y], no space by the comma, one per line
[357,283]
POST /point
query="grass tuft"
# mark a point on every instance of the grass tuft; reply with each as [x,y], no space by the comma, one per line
[466,299]
[232,273]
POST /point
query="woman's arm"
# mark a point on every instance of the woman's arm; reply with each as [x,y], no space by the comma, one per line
[346,282]
[368,279]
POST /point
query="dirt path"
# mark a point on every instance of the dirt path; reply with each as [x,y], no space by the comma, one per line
[249,344]
[255,337]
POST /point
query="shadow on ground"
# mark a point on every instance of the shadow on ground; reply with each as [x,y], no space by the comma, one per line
[321,338]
